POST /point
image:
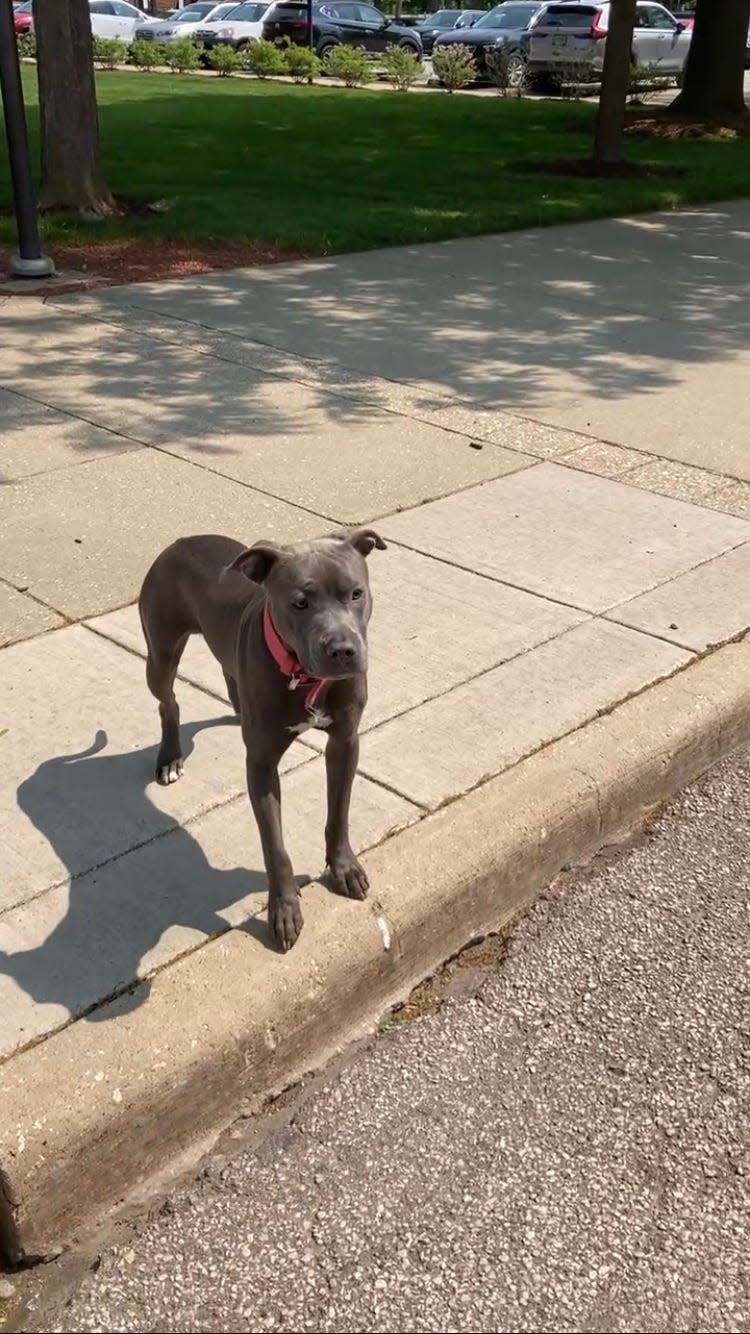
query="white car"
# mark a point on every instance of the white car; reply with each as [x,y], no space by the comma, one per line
[118,19]
[186,22]
[243,24]
[571,37]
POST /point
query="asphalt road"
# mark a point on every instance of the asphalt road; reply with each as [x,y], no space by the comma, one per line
[566,1146]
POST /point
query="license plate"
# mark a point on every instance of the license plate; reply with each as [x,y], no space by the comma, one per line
[559,40]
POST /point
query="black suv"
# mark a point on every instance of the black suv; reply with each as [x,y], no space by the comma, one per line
[338,23]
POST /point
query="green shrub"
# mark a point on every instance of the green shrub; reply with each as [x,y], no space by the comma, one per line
[108,52]
[402,67]
[27,46]
[507,70]
[454,66]
[645,80]
[263,59]
[301,63]
[349,64]
[147,55]
[182,55]
[224,59]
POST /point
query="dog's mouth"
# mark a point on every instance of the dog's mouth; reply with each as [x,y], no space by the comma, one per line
[340,671]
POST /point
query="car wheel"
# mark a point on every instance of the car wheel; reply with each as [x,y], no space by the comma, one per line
[325,49]
[409,46]
[516,70]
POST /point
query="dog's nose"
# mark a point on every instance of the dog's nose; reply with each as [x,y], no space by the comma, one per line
[341,651]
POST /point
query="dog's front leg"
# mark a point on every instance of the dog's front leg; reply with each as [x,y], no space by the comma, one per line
[284,913]
[342,757]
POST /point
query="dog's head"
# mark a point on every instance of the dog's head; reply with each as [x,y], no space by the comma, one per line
[319,597]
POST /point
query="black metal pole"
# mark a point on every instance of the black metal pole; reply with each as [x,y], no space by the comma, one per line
[30,262]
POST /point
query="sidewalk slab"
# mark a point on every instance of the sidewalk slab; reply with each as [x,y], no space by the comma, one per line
[81,539]
[706,606]
[585,540]
[433,626]
[344,459]
[82,942]
[35,438]
[449,745]
[21,616]
[77,782]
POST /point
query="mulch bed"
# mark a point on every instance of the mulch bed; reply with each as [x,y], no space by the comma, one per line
[137,259]
[663,123]
[108,261]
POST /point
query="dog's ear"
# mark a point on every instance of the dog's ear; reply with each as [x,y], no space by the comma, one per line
[362,539]
[257,561]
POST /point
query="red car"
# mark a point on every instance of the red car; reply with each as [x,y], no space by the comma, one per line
[23,19]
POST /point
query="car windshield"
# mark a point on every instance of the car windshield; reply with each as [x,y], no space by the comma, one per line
[446,18]
[192,13]
[507,16]
[248,13]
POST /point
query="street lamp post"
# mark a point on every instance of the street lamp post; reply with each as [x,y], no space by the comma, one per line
[30,261]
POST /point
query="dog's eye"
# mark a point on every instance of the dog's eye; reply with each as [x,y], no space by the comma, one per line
[299,602]
[357,593]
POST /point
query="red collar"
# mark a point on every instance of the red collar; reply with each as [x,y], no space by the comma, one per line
[288,664]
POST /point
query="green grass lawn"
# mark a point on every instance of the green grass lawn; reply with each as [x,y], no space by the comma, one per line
[330,169]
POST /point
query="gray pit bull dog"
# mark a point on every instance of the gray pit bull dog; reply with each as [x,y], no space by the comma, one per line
[289,627]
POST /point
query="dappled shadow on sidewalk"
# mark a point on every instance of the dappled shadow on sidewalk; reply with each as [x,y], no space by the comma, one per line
[512,322]
[519,322]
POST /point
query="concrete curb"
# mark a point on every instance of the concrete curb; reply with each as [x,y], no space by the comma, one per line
[98,1107]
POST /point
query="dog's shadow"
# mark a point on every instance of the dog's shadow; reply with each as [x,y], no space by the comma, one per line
[90,807]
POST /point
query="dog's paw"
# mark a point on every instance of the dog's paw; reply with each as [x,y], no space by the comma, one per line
[169,773]
[349,877]
[285,920]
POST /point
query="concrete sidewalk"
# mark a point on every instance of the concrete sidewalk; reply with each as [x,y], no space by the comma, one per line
[517,413]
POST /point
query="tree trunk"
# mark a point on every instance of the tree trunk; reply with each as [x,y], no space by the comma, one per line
[715,68]
[71,168]
[610,119]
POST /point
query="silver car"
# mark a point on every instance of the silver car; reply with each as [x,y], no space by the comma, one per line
[571,38]
[186,22]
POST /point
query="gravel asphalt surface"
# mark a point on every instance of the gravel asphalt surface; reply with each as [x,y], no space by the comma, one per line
[564,1146]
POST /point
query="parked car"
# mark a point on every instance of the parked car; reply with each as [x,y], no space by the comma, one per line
[23,19]
[508,26]
[116,18]
[339,23]
[571,38]
[186,22]
[242,25]
[442,21]
[109,18]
